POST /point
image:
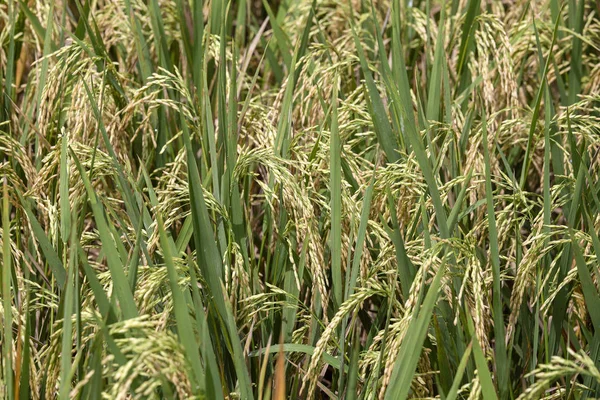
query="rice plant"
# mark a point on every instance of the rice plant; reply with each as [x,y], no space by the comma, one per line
[300,199]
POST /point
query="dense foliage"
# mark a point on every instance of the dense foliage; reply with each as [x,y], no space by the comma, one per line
[320,199]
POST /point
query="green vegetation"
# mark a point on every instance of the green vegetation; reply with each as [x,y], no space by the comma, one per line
[303,199]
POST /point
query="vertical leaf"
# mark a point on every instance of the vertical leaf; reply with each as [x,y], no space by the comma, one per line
[502,365]
[336,200]
[7,342]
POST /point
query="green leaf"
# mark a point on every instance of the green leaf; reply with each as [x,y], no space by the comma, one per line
[7,340]
[56,266]
[211,265]
[383,129]
[115,264]
[536,110]
[453,393]
[453,217]
[435,82]
[335,171]
[182,317]
[502,366]
[468,31]
[65,206]
[412,345]
[67,326]
[297,348]
[485,379]
[590,293]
